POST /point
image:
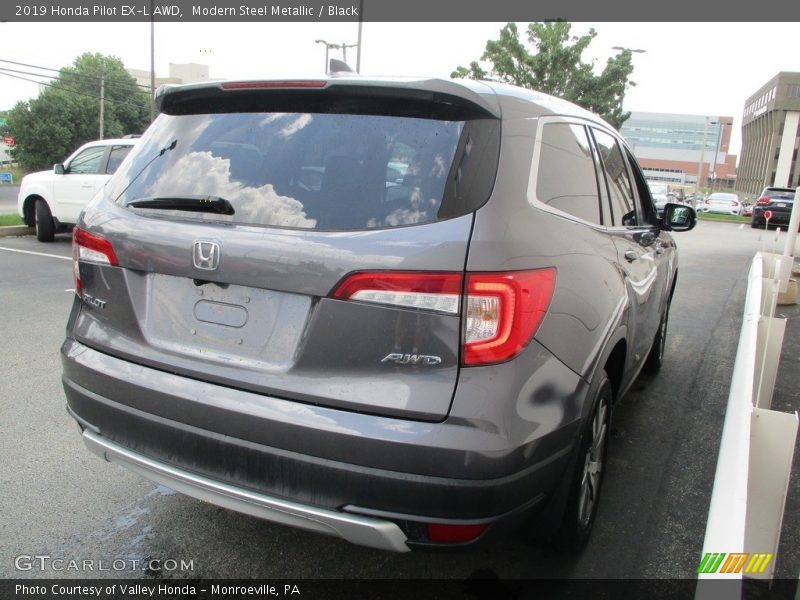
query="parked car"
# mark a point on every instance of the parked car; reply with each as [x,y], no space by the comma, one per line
[723,203]
[52,200]
[419,365]
[660,195]
[779,201]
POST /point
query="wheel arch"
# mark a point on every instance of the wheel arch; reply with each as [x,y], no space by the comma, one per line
[29,206]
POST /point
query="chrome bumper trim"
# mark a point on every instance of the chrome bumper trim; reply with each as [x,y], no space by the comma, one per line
[361,530]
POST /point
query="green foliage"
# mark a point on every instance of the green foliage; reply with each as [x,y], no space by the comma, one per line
[556,68]
[67,113]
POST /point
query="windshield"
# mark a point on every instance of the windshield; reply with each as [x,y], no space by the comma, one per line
[301,170]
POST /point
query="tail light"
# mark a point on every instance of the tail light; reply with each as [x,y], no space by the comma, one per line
[734,203]
[255,85]
[763,200]
[89,247]
[502,311]
[438,292]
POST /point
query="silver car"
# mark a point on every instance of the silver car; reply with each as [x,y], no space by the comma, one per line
[394,311]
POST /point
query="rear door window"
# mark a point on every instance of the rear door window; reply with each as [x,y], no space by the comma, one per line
[566,179]
[306,170]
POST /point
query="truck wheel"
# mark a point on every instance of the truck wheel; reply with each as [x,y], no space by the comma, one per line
[45,227]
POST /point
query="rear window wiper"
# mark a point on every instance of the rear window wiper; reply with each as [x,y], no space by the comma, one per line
[206,204]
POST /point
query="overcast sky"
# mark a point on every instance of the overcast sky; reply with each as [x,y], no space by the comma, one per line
[692,68]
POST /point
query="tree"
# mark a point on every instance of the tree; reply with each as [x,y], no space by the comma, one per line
[67,113]
[556,68]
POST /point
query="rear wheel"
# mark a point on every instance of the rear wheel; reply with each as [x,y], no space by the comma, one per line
[587,478]
[45,227]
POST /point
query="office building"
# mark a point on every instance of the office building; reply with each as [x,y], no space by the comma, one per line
[673,148]
[771,135]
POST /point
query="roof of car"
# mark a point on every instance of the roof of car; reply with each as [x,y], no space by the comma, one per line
[120,141]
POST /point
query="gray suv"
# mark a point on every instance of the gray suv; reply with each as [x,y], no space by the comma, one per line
[395,311]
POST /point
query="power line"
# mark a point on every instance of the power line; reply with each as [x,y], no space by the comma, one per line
[76,92]
[124,86]
[78,75]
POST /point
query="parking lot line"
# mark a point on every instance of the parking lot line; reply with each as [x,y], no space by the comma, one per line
[36,253]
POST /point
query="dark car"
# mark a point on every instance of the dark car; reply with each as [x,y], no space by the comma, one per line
[778,201]
[394,311]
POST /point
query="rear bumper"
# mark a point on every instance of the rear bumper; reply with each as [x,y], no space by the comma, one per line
[779,217]
[364,531]
[374,481]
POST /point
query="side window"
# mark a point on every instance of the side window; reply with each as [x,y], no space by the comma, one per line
[620,191]
[645,200]
[115,158]
[88,161]
[566,177]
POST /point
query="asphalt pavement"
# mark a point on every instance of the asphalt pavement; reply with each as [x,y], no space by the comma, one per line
[8,198]
[60,500]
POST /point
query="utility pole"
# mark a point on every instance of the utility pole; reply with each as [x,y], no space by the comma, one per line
[360,23]
[152,63]
[716,154]
[102,102]
[702,155]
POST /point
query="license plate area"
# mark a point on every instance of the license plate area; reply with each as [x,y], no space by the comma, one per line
[227,324]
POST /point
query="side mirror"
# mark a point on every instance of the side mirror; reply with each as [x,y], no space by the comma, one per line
[58,168]
[678,217]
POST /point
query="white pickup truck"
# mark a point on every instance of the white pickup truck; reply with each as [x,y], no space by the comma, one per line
[52,200]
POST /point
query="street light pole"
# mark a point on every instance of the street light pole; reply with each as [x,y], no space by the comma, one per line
[344,48]
[328,46]
[629,51]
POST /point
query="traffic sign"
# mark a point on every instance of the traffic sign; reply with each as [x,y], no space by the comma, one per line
[767,214]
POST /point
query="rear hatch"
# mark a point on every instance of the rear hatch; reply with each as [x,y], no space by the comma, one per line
[303,240]
[780,202]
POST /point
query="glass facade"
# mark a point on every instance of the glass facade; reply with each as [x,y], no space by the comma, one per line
[643,130]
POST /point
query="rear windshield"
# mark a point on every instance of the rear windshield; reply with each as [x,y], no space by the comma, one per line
[780,194]
[314,170]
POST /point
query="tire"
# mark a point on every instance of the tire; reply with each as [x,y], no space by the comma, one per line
[45,227]
[656,356]
[587,477]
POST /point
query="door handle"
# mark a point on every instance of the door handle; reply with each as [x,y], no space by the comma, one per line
[87,185]
[630,255]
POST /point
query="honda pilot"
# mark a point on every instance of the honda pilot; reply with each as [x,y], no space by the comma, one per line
[395,311]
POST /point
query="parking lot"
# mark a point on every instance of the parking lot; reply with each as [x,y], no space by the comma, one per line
[60,500]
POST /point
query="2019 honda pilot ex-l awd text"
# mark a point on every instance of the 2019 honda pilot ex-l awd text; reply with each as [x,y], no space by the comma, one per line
[396,311]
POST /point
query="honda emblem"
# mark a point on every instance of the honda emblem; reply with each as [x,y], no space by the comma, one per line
[205,255]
